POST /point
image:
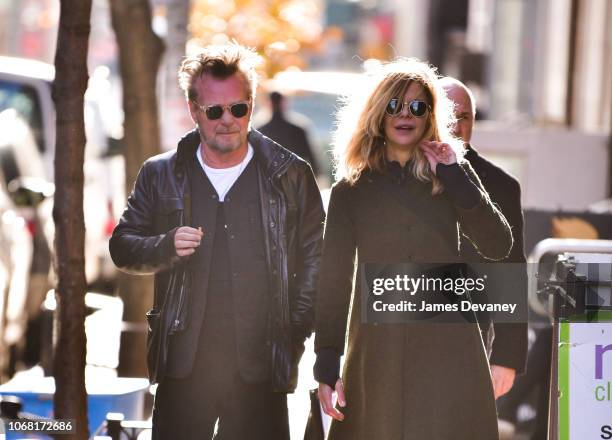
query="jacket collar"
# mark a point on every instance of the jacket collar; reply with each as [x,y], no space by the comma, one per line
[470,152]
[185,151]
[272,157]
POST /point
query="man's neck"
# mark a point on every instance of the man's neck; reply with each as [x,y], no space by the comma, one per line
[218,159]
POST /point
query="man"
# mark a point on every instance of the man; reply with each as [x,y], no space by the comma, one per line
[231,224]
[287,133]
[509,349]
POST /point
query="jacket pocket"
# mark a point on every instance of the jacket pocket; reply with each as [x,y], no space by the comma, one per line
[168,214]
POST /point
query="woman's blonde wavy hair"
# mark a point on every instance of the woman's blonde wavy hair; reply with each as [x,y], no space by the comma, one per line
[359,139]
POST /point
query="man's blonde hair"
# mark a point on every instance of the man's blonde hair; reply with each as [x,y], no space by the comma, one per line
[219,61]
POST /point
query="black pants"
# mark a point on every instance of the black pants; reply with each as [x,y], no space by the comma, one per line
[537,376]
[215,393]
[244,411]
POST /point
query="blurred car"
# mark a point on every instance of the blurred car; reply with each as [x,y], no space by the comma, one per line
[23,179]
[15,263]
[25,87]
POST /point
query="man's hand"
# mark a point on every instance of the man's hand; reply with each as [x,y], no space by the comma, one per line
[325,397]
[503,379]
[186,240]
[438,152]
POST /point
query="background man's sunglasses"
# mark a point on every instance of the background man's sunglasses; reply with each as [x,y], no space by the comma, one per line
[214,112]
[415,107]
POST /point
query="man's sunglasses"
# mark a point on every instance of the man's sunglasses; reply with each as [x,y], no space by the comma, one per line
[415,107]
[214,112]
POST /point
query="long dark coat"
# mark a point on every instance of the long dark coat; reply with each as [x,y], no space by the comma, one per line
[405,381]
[509,347]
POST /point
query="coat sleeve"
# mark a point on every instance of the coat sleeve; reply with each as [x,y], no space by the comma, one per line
[336,275]
[510,341]
[310,237]
[134,247]
[483,223]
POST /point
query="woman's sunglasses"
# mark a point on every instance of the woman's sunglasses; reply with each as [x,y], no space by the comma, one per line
[214,112]
[416,108]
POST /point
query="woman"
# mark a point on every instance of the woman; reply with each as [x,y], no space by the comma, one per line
[403,197]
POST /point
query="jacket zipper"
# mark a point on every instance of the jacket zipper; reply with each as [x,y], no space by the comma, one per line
[176,325]
[185,218]
[284,305]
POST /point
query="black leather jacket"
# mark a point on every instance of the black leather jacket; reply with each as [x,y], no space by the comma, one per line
[292,215]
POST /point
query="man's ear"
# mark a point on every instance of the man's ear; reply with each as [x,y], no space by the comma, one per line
[193,109]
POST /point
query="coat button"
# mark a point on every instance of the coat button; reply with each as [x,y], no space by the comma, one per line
[227,199]
[232,236]
[214,196]
[272,224]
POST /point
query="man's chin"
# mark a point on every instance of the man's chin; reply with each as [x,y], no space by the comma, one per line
[223,147]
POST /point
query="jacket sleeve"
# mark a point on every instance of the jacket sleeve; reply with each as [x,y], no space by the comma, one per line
[336,276]
[311,217]
[334,287]
[481,222]
[134,247]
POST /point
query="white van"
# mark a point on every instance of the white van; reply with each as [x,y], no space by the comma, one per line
[25,87]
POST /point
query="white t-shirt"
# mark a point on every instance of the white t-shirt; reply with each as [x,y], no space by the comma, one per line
[224,178]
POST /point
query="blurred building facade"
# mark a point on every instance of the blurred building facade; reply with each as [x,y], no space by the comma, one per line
[542,61]
[541,71]
[545,61]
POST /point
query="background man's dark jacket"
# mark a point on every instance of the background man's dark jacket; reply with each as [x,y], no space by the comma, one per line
[292,215]
[291,136]
[510,343]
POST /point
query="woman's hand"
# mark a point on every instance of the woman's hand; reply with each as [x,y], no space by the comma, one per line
[325,397]
[438,152]
[503,379]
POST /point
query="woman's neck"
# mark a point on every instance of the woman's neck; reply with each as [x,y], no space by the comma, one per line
[400,155]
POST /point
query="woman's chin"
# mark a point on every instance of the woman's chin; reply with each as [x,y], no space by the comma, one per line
[403,144]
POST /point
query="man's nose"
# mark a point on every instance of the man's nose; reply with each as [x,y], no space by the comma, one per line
[227,117]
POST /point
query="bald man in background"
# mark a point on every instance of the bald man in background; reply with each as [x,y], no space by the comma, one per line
[509,348]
